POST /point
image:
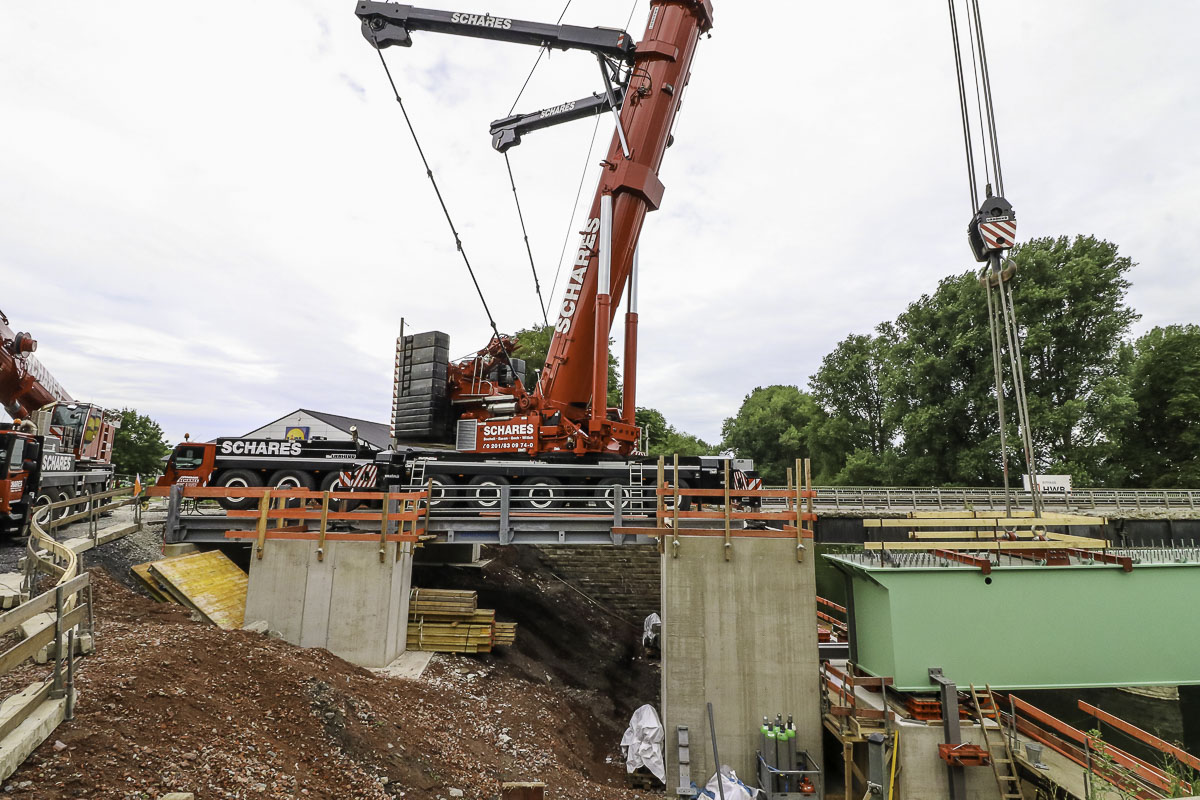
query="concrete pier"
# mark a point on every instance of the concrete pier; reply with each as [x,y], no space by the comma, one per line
[739,634]
[351,603]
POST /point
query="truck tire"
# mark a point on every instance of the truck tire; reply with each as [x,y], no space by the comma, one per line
[61,495]
[332,482]
[444,491]
[483,492]
[685,502]
[238,479]
[291,479]
[606,492]
[541,493]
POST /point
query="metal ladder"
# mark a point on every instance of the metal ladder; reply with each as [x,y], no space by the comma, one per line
[1003,764]
[634,493]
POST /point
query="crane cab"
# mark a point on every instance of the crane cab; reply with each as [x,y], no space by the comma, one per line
[19,474]
[190,464]
[84,430]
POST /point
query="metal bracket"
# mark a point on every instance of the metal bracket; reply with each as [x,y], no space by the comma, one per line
[955,775]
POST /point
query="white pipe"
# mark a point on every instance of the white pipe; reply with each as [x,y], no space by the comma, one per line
[633,285]
[604,277]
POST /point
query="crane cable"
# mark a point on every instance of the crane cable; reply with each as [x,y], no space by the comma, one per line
[513,183]
[1001,309]
[441,200]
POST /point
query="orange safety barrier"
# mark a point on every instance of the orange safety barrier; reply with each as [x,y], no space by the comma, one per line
[1138,768]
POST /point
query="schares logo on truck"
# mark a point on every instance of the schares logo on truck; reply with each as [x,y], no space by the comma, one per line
[260,447]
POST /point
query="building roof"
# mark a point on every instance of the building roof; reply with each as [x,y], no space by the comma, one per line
[376,434]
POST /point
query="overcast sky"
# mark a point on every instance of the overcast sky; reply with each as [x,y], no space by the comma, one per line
[213,212]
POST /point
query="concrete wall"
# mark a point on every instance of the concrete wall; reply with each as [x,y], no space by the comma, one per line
[922,773]
[738,634]
[351,604]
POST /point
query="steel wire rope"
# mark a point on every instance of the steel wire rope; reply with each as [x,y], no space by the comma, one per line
[525,234]
[975,73]
[964,109]
[583,177]
[987,96]
[441,200]
[575,206]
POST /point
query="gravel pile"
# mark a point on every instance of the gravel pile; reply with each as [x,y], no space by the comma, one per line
[171,704]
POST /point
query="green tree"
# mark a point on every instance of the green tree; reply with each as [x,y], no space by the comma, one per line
[774,426]
[1069,297]
[1070,300]
[858,436]
[662,439]
[1162,448]
[534,343]
[139,447]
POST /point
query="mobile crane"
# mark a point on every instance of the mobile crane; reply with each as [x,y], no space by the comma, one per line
[556,426]
[543,429]
[55,448]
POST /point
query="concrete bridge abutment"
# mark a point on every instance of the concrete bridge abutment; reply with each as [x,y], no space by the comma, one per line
[351,602]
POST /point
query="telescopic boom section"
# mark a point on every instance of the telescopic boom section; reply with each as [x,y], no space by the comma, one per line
[575,377]
[25,385]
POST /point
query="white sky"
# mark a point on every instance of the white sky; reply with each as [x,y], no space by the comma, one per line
[213,213]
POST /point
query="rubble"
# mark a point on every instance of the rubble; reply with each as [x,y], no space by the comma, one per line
[169,706]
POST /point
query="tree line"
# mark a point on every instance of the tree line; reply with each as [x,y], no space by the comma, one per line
[914,403]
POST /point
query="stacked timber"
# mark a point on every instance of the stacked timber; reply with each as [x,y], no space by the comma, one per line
[450,621]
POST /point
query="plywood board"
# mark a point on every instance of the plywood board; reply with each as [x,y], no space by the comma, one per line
[209,583]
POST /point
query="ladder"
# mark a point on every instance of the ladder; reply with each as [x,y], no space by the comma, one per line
[1003,764]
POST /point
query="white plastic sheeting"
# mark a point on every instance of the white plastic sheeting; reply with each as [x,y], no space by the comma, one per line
[649,634]
[642,743]
[734,788]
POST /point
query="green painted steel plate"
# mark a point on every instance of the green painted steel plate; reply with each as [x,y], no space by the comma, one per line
[1027,626]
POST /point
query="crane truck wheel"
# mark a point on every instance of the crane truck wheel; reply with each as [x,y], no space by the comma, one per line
[238,479]
[606,492]
[685,502]
[64,494]
[291,479]
[483,491]
[443,491]
[541,493]
[332,482]
[42,501]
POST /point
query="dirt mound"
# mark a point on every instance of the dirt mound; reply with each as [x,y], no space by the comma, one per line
[171,704]
[563,638]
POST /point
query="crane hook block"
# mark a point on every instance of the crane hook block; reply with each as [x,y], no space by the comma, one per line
[993,229]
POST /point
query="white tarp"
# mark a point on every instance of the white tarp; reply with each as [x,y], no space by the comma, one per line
[642,743]
[648,625]
[734,788]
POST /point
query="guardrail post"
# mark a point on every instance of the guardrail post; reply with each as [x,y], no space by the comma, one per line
[728,536]
[1191,499]
[505,534]
[174,505]
[70,712]
[264,508]
[56,691]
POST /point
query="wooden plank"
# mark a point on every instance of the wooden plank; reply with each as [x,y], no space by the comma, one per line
[38,605]
[19,709]
[142,571]
[981,521]
[989,546]
[18,653]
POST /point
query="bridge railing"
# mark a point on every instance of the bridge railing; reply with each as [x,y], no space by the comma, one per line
[871,498]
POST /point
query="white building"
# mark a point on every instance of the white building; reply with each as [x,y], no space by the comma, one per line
[310,425]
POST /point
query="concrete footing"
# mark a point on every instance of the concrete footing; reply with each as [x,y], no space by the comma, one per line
[352,603]
[29,735]
[739,634]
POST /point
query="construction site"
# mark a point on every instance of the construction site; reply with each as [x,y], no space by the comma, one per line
[527,586]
